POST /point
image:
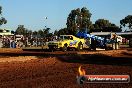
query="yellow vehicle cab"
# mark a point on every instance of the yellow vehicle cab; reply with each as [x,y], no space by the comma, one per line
[66,42]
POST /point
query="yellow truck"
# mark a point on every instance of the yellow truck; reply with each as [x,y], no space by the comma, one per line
[66,42]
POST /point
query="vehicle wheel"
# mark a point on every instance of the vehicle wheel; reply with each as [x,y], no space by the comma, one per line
[80,46]
[51,49]
[64,49]
[93,44]
[130,42]
[73,49]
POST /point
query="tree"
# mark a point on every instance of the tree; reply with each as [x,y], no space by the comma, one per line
[71,25]
[55,33]
[63,31]
[2,19]
[46,31]
[85,18]
[78,19]
[35,33]
[126,22]
[21,30]
[101,23]
[43,32]
[49,35]
[29,32]
[105,26]
[40,33]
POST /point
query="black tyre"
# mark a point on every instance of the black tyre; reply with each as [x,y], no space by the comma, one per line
[64,48]
[93,44]
[80,46]
[73,49]
[130,42]
[51,49]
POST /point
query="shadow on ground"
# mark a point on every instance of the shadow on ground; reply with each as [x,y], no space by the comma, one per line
[73,57]
[127,53]
[97,59]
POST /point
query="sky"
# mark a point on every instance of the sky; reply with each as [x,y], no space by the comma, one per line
[32,13]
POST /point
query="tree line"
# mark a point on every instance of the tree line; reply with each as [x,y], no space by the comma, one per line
[21,30]
[78,19]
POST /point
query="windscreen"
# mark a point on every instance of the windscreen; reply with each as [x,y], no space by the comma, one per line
[66,37]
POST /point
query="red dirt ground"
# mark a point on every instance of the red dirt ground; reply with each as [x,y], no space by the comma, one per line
[61,71]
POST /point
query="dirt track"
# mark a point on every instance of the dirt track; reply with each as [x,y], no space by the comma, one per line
[40,71]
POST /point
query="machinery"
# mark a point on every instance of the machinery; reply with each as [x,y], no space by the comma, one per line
[120,37]
[84,41]
[110,41]
[66,42]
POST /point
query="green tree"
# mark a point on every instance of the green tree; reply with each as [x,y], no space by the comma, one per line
[101,23]
[55,33]
[126,22]
[2,19]
[78,19]
[71,25]
[21,30]
[49,35]
[29,32]
[46,31]
[63,31]
[35,33]
[85,18]
[105,26]
[40,33]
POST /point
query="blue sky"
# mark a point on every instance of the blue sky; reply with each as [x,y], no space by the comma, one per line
[32,13]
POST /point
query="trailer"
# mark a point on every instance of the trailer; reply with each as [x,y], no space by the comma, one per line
[127,35]
[109,41]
